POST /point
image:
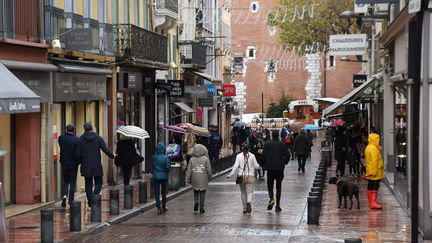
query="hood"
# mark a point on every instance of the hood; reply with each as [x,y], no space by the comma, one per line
[374,139]
[199,150]
[90,136]
[160,149]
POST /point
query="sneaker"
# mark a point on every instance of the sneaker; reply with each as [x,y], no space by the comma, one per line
[196,206]
[278,209]
[248,207]
[271,204]
[64,201]
[202,210]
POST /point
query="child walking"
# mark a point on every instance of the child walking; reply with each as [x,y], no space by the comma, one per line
[198,173]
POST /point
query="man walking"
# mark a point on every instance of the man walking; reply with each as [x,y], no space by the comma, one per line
[302,149]
[69,163]
[215,145]
[88,154]
[275,157]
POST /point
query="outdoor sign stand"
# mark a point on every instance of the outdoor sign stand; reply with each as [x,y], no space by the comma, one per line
[3,232]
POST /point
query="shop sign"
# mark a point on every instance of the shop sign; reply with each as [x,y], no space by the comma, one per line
[211,89]
[206,102]
[77,39]
[348,45]
[38,82]
[129,81]
[196,92]
[161,84]
[414,6]
[78,87]
[177,88]
[375,1]
[228,90]
[367,95]
[359,79]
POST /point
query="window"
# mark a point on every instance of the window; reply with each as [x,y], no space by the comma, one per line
[251,52]
[254,7]
[331,62]
[271,66]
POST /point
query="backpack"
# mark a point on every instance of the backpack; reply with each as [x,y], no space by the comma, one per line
[289,138]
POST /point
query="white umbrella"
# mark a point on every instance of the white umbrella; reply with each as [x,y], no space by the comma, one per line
[133,131]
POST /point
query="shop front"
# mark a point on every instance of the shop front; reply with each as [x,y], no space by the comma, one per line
[19,140]
[80,94]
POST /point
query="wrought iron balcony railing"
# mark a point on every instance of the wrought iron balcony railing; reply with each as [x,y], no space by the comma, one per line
[140,44]
[193,53]
[167,7]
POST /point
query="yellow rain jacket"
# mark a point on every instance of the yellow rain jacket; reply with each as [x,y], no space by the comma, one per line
[374,162]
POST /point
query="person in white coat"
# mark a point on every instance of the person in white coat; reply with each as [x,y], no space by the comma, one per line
[245,166]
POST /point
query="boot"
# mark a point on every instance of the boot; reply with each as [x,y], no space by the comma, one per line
[375,197]
[372,200]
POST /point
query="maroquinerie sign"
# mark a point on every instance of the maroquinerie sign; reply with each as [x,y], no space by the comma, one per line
[77,87]
[19,105]
[347,45]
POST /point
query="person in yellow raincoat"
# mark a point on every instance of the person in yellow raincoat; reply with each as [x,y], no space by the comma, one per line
[374,169]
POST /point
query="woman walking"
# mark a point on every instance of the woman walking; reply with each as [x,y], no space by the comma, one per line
[126,157]
[374,169]
[161,166]
[198,173]
[245,166]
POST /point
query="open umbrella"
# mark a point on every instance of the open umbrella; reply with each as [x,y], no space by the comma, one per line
[311,127]
[239,124]
[337,123]
[133,132]
[175,129]
[199,131]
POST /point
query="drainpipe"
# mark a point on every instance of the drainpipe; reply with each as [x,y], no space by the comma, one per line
[43,157]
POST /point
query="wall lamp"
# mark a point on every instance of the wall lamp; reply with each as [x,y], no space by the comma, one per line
[347,59]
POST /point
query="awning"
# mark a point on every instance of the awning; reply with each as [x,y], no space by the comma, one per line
[351,95]
[208,77]
[15,96]
[83,69]
[184,107]
[29,66]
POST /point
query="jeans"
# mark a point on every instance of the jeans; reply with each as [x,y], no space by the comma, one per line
[246,193]
[199,196]
[127,172]
[160,187]
[69,181]
[89,187]
[273,175]
[302,161]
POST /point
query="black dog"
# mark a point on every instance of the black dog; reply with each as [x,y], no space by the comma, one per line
[346,188]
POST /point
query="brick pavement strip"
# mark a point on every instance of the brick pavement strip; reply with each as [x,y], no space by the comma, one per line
[225,222]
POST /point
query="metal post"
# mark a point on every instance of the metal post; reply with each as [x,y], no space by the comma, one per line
[114,202]
[128,197]
[313,211]
[142,197]
[96,214]
[75,216]
[47,226]
[3,231]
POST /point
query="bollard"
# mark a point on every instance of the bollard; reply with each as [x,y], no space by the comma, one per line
[75,216]
[142,195]
[313,212]
[47,226]
[95,213]
[128,197]
[114,202]
[353,240]
[316,194]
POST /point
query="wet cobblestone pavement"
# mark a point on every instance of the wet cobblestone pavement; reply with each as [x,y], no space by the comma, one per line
[225,222]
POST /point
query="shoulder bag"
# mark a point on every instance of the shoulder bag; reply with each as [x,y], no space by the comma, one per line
[247,179]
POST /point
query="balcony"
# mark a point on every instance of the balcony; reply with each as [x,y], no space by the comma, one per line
[193,55]
[140,46]
[165,14]
[167,8]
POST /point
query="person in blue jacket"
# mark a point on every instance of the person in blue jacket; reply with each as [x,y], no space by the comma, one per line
[69,163]
[161,165]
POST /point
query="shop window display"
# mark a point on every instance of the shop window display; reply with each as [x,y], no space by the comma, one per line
[401,131]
